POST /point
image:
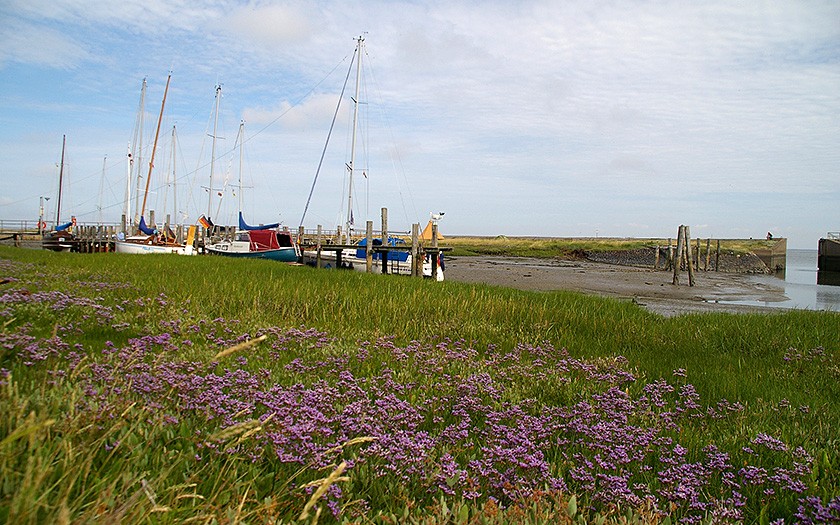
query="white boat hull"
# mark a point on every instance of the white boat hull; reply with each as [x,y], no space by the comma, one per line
[141,248]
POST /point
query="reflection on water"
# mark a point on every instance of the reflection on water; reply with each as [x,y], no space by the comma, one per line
[799,281]
[828,278]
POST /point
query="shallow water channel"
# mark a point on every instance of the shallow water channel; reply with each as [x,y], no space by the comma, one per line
[799,281]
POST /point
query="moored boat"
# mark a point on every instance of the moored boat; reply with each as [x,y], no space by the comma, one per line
[396,257]
[148,240]
[399,260]
[61,238]
[257,242]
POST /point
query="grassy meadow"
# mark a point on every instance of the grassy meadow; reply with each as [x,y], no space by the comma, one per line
[166,389]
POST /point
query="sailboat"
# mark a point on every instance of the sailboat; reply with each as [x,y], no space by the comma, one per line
[256,242]
[60,238]
[149,239]
[399,261]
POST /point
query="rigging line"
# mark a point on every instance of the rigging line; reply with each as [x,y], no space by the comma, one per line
[188,174]
[301,99]
[396,159]
[329,134]
[264,128]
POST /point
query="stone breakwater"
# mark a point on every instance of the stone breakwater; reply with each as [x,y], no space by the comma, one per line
[646,258]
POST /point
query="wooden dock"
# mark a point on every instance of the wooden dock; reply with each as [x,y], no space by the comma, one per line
[101,238]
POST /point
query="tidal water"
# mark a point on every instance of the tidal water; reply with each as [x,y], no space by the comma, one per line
[799,281]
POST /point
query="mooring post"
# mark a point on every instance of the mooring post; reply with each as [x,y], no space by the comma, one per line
[122,224]
[435,252]
[717,256]
[697,254]
[690,261]
[415,252]
[670,264]
[385,240]
[151,219]
[369,246]
[708,254]
[318,233]
[656,259]
[678,257]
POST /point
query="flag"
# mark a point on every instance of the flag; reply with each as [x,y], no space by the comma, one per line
[204,221]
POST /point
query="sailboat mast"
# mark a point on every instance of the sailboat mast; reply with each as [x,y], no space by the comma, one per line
[60,182]
[352,166]
[102,188]
[241,147]
[174,179]
[138,149]
[213,150]
[154,146]
[128,168]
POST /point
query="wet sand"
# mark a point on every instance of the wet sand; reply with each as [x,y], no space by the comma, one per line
[649,288]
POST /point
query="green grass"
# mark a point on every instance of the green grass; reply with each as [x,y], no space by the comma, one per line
[53,455]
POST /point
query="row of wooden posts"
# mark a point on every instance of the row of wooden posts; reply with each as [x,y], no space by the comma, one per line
[681,256]
[333,243]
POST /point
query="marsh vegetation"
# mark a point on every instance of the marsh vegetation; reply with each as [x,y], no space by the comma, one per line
[167,389]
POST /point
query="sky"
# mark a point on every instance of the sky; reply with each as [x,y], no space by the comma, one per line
[624,118]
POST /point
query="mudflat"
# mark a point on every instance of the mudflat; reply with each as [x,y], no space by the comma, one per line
[652,289]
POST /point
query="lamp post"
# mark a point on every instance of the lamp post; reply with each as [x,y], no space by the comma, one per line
[41,225]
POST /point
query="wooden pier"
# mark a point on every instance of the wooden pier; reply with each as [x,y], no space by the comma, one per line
[323,241]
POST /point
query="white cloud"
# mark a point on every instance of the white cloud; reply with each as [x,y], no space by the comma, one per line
[25,43]
[270,26]
[522,108]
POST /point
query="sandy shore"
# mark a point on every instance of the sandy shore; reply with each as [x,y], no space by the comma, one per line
[649,288]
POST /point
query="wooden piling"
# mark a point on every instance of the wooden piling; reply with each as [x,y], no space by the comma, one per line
[369,246]
[697,255]
[678,258]
[385,244]
[670,265]
[415,251]
[690,264]
[435,252]
[318,234]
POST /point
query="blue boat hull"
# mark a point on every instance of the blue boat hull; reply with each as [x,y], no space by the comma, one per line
[283,254]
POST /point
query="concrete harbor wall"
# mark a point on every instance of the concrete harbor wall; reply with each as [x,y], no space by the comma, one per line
[828,261]
[774,257]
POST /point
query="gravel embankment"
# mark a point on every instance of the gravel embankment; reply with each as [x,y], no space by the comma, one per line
[646,258]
